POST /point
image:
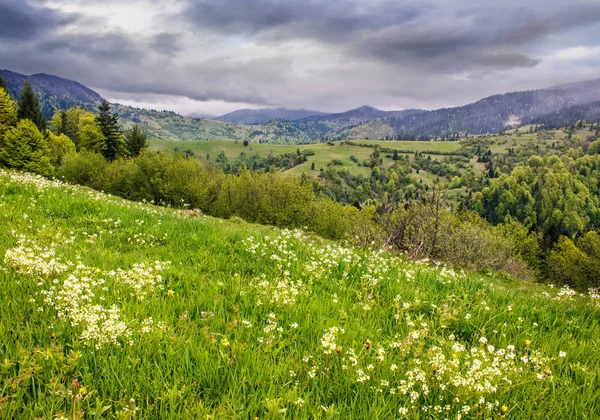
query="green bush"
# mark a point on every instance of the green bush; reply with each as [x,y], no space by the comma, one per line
[83,168]
[575,264]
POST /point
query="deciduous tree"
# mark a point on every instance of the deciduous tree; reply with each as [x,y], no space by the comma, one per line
[25,148]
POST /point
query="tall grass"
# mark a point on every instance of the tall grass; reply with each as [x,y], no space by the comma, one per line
[115,309]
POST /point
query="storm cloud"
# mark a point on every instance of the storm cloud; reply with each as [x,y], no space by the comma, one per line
[21,21]
[216,55]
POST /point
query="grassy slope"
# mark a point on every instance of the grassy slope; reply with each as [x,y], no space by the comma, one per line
[323,152]
[415,146]
[225,343]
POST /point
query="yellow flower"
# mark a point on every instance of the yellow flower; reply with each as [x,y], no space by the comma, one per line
[547,371]
[171,293]
[83,390]
[504,409]
[527,343]
[338,349]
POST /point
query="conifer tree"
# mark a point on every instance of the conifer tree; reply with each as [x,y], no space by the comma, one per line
[109,125]
[491,170]
[29,108]
[25,148]
[135,140]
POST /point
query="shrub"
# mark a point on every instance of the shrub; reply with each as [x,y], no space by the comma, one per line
[84,168]
[575,264]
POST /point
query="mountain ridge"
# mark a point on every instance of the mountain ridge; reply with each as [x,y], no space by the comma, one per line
[567,102]
[52,91]
[263,115]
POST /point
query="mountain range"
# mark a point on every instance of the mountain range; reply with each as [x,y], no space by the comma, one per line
[556,106]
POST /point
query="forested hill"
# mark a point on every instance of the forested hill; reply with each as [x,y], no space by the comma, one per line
[553,107]
[495,113]
[564,117]
[259,116]
[52,91]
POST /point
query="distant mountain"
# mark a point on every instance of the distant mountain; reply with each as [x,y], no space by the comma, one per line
[589,112]
[259,116]
[553,107]
[201,115]
[52,91]
[364,113]
[489,115]
[168,125]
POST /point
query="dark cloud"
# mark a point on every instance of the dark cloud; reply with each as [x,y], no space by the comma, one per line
[104,48]
[332,20]
[436,34]
[21,21]
[165,43]
[320,54]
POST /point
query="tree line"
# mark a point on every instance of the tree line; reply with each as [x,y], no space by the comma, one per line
[28,142]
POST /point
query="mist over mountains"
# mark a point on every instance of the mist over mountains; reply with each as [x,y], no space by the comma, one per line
[556,106]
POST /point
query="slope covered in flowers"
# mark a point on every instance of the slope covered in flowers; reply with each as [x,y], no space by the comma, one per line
[114,309]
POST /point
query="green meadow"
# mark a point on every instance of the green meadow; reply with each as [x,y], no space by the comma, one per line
[324,153]
[120,310]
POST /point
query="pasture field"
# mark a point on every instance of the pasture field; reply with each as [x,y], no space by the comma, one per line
[324,153]
[415,146]
[114,309]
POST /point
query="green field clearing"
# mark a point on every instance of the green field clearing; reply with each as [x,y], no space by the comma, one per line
[324,153]
[415,146]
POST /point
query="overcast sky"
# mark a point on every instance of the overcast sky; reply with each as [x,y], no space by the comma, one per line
[215,56]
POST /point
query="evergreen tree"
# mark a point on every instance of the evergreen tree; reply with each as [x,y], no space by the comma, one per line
[109,125]
[30,109]
[491,170]
[3,84]
[63,122]
[25,148]
[135,140]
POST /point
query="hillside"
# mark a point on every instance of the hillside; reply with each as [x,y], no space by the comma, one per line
[259,116]
[139,309]
[52,91]
[167,125]
[566,116]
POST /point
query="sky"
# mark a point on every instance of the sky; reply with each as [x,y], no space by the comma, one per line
[216,56]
